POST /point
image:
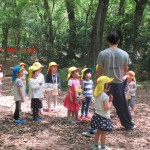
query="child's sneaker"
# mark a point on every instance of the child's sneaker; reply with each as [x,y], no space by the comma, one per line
[82,118]
[19,122]
[72,121]
[95,147]
[40,117]
[78,119]
[37,119]
[22,120]
[87,118]
[105,148]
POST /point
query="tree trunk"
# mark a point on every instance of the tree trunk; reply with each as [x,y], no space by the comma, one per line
[48,28]
[5,30]
[139,9]
[88,12]
[121,8]
[120,13]
[72,29]
[16,27]
[97,31]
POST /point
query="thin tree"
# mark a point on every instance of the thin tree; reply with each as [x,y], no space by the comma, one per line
[97,30]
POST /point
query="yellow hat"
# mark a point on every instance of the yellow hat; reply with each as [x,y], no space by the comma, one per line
[100,84]
[97,67]
[71,69]
[38,65]
[85,69]
[53,64]
[22,64]
[31,69]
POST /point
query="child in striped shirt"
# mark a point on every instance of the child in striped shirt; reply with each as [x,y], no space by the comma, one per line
[87,92]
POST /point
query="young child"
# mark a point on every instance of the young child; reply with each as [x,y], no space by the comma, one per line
[130,90]
[1,77]
[25,72]
[42,81]
[35,94]
[18,93]
[101,118]
[52,79]
[87,92]
[71,101]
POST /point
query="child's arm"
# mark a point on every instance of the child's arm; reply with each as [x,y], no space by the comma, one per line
[108,104]
[20,93]
[25,72]
[34,85]
[82,83]
[134,87]
[59,84]
[69,93]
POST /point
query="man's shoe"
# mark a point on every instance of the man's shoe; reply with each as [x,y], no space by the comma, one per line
[87,134]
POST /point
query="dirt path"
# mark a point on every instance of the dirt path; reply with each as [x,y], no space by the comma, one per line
[53,133]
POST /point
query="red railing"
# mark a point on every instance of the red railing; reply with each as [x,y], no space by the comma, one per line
[13,50]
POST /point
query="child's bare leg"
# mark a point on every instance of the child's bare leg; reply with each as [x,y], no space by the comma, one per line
[49,101]
[55,101]
[103,138]
[97,136]
[68,114]
[76,115]
[132,110]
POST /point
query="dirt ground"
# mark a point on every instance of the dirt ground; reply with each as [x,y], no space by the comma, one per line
[53,133]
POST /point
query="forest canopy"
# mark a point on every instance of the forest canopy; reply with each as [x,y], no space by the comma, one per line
[74,31]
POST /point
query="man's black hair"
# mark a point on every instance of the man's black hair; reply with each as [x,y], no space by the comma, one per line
[113,38]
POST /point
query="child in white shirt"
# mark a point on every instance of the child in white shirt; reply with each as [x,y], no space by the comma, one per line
[18,93]
[101,118]
[35,92]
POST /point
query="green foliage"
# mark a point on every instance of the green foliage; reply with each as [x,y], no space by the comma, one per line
[34,29]
[63,77]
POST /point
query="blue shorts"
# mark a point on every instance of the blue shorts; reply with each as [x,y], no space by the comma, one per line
[132,101]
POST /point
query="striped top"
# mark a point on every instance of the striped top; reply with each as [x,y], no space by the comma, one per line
[88,88]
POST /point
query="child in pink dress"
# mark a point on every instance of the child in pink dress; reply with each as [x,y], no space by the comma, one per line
[71,102]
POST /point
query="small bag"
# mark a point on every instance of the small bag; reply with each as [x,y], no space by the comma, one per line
[128,96]
[79,93]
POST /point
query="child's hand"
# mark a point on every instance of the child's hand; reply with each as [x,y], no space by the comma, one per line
[46,91]
[125,77]
[40,83]
[71,100]
[59,90]
[77,101]
[22,79]
[22,99]
[84,99]
[110,98]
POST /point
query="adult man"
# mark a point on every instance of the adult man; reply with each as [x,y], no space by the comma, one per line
[113,62]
